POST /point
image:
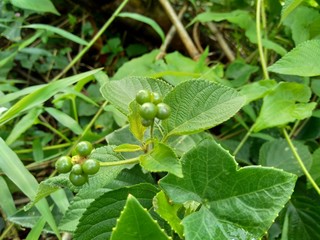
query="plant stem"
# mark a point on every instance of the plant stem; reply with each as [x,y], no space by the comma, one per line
[259,40]
[53,130]
[303,167]
[122,162]
[243,141]
[58,146]
[93,40]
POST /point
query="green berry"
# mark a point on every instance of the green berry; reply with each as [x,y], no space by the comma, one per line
[163,111]
[83,148]
[78,179]
[143,96]
[146,122]
[64,164]
[156,98]
[90,166]
[148,111]
[77,169]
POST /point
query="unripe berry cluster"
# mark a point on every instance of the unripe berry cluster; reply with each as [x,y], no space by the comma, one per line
[151,107]
[79,165]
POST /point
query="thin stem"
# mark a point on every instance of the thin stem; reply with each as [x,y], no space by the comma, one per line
[58,146]
[259,40]
[122,162]
[243,141]
[303,167]
[53,130]
[93,40]
[6,231]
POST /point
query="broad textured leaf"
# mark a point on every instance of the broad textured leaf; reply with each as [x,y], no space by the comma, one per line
[101,216]
[303,60]
[285,103]
[14,169]
[42,94]
[197,105]
[238,203]
[89,192]
[58,31]
[168,211]
[35,5]
[302,215]
[146,20]
[136,223]
[257,90]
[161,159]
[278,154]
[288,7]
[120,93]
[25,123]
[65,120]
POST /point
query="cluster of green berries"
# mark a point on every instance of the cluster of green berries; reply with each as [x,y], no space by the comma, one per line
[151,107]
[79,165]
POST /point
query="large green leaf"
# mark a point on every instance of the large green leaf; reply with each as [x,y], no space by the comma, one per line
[122,92]
[315,167]
[257,90]
[136,223]
[197,105]
[14,169]
[35,5]
[285,103]
[42,94]
[237,203]
[278,154]
[303,60]
[101,216]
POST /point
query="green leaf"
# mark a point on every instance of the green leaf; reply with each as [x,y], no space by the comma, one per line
[14,169]
[135,119]
[101,216]
[7,204]
[25,123]
[146,20]
[303,60]
[278,154]
[288,7]
[315,167]
[236,203]
[89,192]
[35,5]
[285,103]
[42,94]
[169,212]
[302,215]
[197,105]
[122,92]
[257,90]
[127,148]
[37,229]
[161,159]
[58,31]
[65,120]
[136,223]
[301,23]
